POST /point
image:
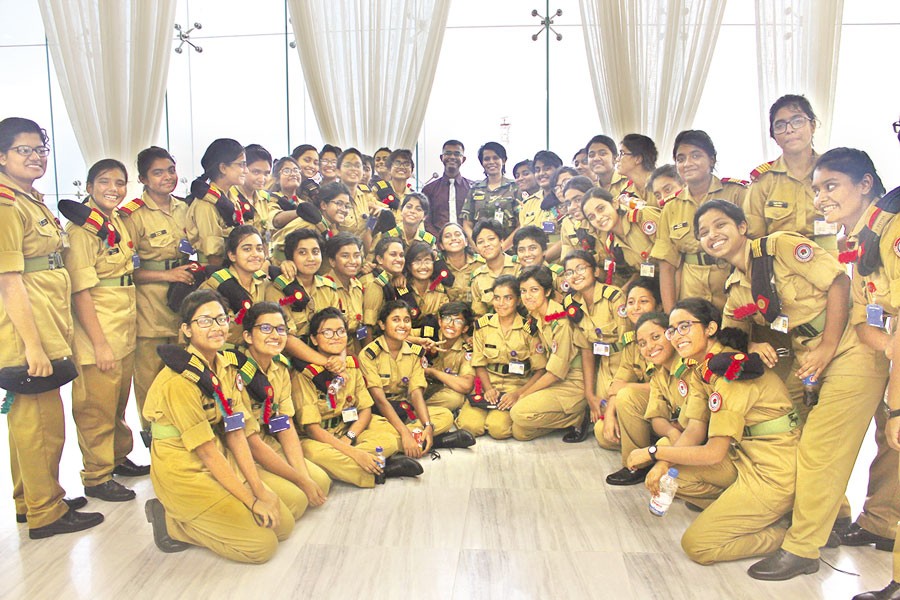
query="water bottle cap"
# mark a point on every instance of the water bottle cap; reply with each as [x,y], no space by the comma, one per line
[379,449]
[673,472]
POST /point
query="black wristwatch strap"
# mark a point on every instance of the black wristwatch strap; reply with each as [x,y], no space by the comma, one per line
[894,413]
[652,452]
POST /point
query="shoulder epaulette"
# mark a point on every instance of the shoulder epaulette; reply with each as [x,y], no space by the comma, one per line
[467,347]
[482,322]
[7,194]
[763,246]
[352,362]
[755,173]
[573,309]
[294,294]
[90,219]
[740,182]
[222,275]
[735,366]
[679,368]
[372,350]
[239,300]
[230,357]
[363,187]
[385,193]
[129,207]
[282,360]
[382,279]
[556,269]
[417,349]
[531,327]
[260,275]
[325,282]
[428,237]
[628,337]
[609,292]
[190,367]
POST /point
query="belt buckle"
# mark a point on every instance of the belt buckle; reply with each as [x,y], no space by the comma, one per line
[54,260]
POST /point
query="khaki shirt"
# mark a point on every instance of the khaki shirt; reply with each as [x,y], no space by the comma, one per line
[259,285]
[883,286]
[349,301]
[669,390]
[492,346]
[632,366]
[156,234]
[88,260]
[313,405]
[639,227]
[28,229]
[778,201]
[206,229]
[357,219]
[483,281]
[280,235]
[396,377]
[500,204]
[262,207]
[558,337]
[322,295]
[180,479]
[461,290]
[531,213]
[456,360]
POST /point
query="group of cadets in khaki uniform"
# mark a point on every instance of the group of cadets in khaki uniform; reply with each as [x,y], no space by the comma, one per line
[544,308]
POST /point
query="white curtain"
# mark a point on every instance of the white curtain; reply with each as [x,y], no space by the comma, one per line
[112,61]
[649,60]
[797,48]
[369,66]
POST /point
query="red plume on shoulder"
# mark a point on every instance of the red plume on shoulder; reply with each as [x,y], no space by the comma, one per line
[742,312]
[609,272]
[737,365]
[554,316]
[239,318]
[850,256]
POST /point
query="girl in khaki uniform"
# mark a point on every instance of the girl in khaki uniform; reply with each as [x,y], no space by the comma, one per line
[488,239]
[340,432]
[507,354]
[156,223]
[751,424]
[813,288]
[684,270]
[241,282]
[450,374]
[395,375]
[629,392]
[849,189]
[390,259]
[324,215]
[34,289]
[627,234]
[266,376]
[252,196]
[209,489]
[781,195]
[344,254]
[424,293]
[212,213]
[460,261]
[555,400]
[598,311]
[103,298]
[350,168]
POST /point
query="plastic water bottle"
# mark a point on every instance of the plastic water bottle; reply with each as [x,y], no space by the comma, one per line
[811,391]
[379,458]
[668,485]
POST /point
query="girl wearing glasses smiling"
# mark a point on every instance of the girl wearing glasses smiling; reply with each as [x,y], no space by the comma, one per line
[340,432]
[209,489]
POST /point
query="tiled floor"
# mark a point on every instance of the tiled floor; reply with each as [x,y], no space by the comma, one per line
[503,520]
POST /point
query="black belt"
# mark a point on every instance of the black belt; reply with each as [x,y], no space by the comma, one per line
[503,368]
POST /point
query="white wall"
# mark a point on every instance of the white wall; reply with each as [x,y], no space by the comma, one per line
[489,69]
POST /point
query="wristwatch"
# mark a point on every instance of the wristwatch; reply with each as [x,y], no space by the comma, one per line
[352,437]
[428,424]
[652,452]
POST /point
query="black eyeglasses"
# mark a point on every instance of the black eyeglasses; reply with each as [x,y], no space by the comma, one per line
[267,329]
[896,126]
[205,322]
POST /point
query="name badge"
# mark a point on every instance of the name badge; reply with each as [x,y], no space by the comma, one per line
[64,238]
[234,422]
[875,315]
[601,349]
[184,246]
[823,227]
[135,261]
[279,423]
[361,332]
[498,216]
[780,324]
[648,269]
[349,414]
[549,226]
[516,367]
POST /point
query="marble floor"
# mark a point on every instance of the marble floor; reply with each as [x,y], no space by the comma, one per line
[503,520]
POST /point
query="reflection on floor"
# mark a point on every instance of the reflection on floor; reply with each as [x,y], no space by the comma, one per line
[502,520]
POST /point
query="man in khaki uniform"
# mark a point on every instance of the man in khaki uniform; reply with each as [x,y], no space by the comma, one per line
[102,279]
[158,234]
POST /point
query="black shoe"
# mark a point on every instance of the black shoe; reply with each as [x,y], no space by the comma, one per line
[111,491]
[855,535]
[693,507]
[891,592]
[840,527]
[146,437]
[782,566]
[76,503]
[626,476]
[401,465]
[156,516]
[129,469]
[454,439]
[70,522]
[579,433]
